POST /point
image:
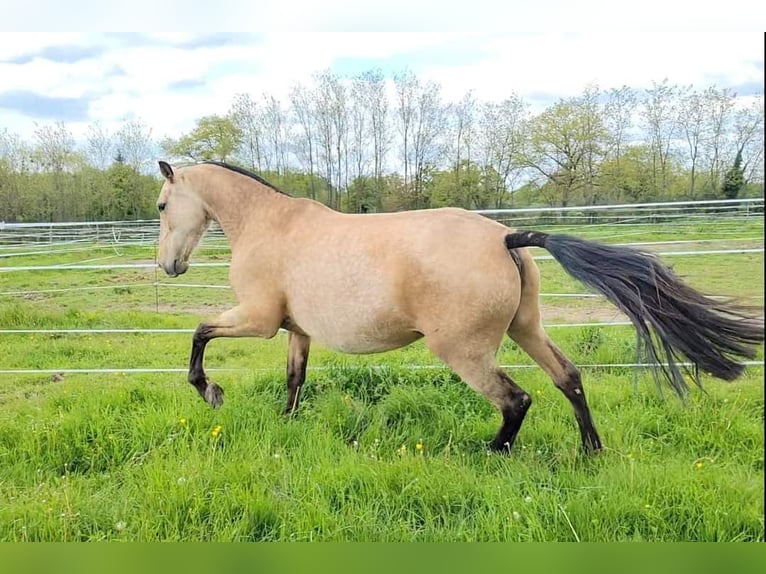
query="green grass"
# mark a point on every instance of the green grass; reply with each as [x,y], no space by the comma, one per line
[135,457]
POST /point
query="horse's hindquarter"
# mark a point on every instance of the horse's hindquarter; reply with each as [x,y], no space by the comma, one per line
[372,283]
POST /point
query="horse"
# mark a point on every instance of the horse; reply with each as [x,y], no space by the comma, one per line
[368,283]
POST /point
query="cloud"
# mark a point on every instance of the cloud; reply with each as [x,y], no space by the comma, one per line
[170,79]
[217,40]
[60,54]
[38,106]
[184,85]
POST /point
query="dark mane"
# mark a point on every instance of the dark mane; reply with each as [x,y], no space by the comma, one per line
[246,172]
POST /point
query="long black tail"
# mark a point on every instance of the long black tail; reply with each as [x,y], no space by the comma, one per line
[684,323]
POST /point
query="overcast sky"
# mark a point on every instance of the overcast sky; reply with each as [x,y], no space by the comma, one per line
[541,50]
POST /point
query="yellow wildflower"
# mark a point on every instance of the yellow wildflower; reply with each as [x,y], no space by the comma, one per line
[182,421]
[419,446]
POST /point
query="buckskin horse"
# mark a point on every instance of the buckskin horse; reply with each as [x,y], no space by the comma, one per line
[460,281]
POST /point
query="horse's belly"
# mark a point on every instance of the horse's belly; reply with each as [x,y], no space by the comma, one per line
[360,330]
[362,345]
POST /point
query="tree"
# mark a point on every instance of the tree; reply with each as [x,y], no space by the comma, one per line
[566,144]
[305,115]
[274,128]
[734,180]
[100,146]
[333,131]
[214,138]
[659,113]
[407,86]
[619,109]
[719,106]
[430,125]
[376,104]
[748,137]
[463,133]
[691,121]
[501,133]
[369,133]
[55,149]
[246,116]
[134,141]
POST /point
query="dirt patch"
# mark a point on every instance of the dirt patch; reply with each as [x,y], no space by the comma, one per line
[595,313]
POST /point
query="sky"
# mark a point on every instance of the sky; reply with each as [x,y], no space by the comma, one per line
[541,50]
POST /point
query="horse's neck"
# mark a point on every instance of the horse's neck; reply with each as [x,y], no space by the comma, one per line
[236,205]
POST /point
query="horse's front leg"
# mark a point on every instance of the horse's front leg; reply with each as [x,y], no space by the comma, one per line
[297,358]
[236,322]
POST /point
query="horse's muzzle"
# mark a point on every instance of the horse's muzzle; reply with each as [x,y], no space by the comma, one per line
[176,269]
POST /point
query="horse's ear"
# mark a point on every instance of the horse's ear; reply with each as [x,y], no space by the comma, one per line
[166,171]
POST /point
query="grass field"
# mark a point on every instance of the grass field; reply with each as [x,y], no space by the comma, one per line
[379,451]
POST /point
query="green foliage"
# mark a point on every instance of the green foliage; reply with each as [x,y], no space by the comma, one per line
[214,138]
[85,194]
[734,180]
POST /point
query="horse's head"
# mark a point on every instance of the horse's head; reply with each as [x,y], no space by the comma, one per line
[183,220]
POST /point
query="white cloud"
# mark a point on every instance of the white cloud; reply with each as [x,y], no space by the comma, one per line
[121,78]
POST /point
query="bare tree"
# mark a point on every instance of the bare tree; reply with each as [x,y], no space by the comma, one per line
[749,139]
[100,146]
[13,151]
[620,106]
[275,129]
[302,100]
[502,135]
[135,145]
[55,147]
[719,106]
[430,125]
[463,133]
[326,130]
[692,114]
[377,107]
[247,117]
[369,131]
[659,113]
[359,122]
[407,88]
[333,131]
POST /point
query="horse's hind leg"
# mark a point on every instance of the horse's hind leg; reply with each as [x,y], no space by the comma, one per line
[297,358]
[480,372]
[564,374]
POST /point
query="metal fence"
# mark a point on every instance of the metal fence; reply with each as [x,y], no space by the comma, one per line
[21,240]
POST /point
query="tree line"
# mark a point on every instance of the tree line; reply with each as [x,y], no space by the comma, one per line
[369,143]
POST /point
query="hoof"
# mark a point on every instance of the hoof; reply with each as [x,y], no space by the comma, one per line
[501,447]
[592,445]
[214,395]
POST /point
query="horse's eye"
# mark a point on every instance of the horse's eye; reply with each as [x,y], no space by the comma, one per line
[161,206]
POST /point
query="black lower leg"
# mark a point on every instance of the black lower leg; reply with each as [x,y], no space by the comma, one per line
[571,385]
[572,389]
[208,390]
[513,413]
[296,376]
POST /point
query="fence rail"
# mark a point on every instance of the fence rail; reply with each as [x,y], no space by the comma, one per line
[20,240]
[145,231]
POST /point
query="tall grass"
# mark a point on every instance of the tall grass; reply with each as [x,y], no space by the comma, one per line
[378,451]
